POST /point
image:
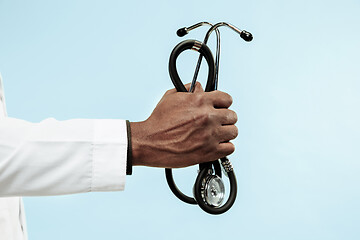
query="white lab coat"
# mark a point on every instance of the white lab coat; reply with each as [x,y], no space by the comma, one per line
[56,157]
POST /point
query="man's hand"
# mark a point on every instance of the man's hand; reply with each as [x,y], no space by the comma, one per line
[185,129]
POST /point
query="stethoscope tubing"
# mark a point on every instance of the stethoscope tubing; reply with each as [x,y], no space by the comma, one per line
[203,50]
[204,168]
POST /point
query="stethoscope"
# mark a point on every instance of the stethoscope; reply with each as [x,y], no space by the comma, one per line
[209,188]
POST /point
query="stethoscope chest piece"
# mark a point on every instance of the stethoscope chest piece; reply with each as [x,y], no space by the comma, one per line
[209,188]
[213,190]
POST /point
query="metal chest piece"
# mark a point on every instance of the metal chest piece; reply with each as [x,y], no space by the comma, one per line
[213,190]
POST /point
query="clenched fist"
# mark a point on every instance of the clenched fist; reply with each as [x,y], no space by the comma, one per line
[185,129]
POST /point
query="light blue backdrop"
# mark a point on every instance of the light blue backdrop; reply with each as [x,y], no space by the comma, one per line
[295,88]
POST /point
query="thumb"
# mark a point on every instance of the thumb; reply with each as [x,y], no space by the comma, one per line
[198,88]
[187,86]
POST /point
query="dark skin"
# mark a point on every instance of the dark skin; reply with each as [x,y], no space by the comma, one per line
[185,129]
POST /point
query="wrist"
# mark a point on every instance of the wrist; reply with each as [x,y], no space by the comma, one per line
[137,133]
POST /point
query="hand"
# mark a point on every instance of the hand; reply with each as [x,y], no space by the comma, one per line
[185,129]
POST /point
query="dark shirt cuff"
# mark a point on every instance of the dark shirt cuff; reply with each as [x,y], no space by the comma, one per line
[129,150]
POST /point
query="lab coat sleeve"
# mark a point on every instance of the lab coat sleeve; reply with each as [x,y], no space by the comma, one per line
[62,157]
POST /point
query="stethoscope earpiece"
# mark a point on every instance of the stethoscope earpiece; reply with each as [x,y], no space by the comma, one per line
[246,36]
[209,188]
[182,32]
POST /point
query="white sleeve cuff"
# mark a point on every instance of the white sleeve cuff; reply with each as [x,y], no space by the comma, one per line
[109,155]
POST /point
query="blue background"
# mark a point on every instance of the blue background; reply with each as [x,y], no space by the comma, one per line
[295,88]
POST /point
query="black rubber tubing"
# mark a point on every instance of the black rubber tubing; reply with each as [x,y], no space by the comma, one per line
[203,50]
[175,190]
[206,52]
[204,168]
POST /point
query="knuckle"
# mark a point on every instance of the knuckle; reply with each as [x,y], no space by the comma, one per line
[231,148]
[181,97]
[171,90]
[234,116]
[235,132]
[231,116]
[226,150]
[228,99]
[198,85]
[204,118]
[197,98]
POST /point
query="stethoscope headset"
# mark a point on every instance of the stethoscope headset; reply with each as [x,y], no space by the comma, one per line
[209,188]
